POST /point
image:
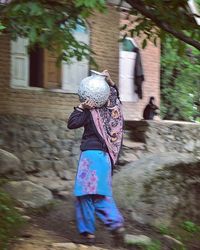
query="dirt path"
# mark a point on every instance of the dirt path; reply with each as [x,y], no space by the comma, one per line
[35,238]
[57,224]
[48,227]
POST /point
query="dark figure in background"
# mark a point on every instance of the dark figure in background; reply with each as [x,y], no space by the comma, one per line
[150,110]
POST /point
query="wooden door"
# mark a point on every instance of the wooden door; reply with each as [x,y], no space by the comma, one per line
[52,73]
[36,58]
[126,71]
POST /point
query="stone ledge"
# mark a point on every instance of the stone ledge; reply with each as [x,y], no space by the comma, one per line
[130,123]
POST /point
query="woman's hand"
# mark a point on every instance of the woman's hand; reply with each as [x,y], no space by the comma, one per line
[88,104]
[108,78]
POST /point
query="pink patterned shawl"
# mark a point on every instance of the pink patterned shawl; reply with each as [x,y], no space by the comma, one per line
[109,124]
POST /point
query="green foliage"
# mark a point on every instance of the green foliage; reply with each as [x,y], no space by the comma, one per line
[163,229]
[2,27]
[10,220]
[182,231]
[155,245]
[49,24]
[190,226]
[180,82]
[90,6]
[159,18]
[180,248]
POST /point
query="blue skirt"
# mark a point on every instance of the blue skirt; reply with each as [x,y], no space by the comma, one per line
[93,174]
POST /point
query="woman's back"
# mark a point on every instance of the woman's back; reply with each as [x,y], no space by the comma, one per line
[91,138]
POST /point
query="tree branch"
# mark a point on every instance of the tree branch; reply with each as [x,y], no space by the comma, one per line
[140,6]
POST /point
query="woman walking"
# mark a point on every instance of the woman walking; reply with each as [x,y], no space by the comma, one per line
[100,146]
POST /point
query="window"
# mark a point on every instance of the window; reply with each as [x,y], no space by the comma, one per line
[73,73]
[38,69]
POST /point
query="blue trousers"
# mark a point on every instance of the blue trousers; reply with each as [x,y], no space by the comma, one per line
[104,207]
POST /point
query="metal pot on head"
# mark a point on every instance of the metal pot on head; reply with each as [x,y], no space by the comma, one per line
[95,88]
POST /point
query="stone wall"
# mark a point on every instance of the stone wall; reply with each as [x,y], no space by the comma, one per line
[47,149]
[164,136]
[164,180]
[47,145]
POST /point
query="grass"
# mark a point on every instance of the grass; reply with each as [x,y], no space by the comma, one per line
[155,245]
[185,231]
[190,226]
[163,229]
[10,220]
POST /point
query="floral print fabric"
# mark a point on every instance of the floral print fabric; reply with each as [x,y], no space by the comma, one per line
[94,174]
[109,124]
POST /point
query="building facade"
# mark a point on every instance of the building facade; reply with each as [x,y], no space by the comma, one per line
[32,85]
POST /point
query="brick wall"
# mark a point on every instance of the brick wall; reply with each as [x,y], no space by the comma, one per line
[151,86]
[4,71]
[104,42]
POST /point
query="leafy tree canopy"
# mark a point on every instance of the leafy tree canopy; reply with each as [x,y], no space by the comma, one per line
[160,18]
[51,23]
[180,83]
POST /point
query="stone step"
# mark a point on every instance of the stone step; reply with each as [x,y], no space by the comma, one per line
[72,246]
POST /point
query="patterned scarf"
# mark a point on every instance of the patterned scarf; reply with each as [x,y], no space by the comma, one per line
[109,123]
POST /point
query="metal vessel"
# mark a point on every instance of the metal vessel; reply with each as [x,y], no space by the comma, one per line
[95,88]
